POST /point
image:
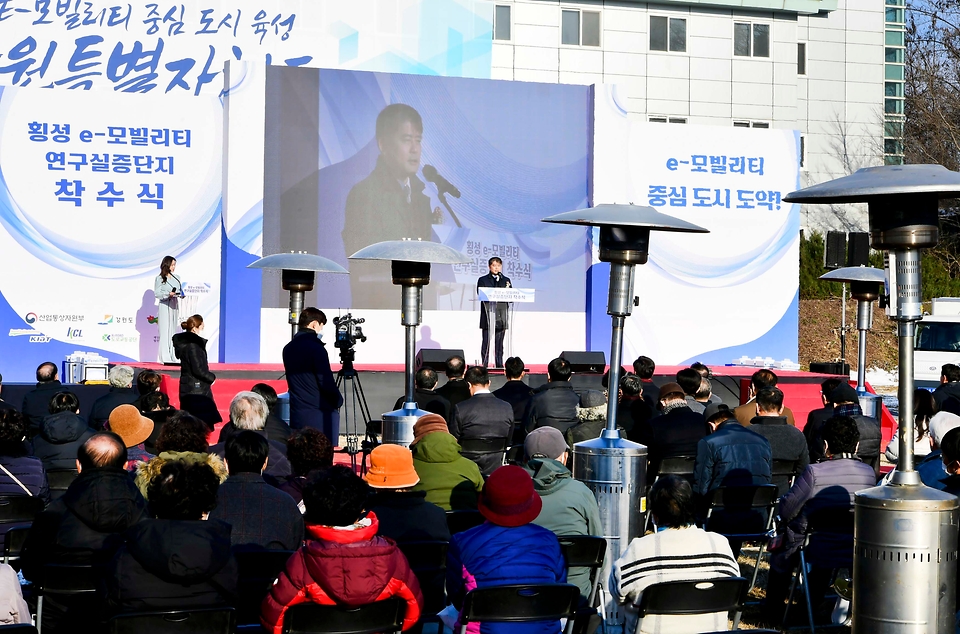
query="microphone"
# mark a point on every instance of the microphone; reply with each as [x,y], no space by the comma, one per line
[443,185]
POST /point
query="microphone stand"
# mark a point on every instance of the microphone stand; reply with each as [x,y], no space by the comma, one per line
[442,195]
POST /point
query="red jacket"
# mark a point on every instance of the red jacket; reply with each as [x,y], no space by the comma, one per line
[343,567]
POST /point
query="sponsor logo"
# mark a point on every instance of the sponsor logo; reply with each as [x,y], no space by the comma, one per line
[120,338]
[19,332]
[107,319]
[39,339]
[30,318]
[74,333]
[115,319]
[152,319]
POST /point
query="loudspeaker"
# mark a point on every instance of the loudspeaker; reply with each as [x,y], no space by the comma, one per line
[436,359]
[833,367]
[835,247]
[589,362]
[858,249]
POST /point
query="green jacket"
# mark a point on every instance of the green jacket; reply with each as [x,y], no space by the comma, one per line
[569,508]
[451,481]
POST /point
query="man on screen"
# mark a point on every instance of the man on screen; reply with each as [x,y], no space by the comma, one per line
[389,204]
[494,279]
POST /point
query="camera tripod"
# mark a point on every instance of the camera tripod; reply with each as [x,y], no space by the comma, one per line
[355,411]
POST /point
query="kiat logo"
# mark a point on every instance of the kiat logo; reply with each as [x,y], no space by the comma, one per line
[30,318]
[151,319]
[39,339]
[107,319]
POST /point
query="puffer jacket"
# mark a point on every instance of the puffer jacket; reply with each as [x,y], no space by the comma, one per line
[451,481]
[732,456]
[347,566]
[553,404]
[30,472]
[147,471]
[60,436]
[569,508]
[195,374]
[871,439]
[490,555]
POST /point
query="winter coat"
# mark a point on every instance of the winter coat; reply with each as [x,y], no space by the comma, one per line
[107,403]
[871,438]
[569,508]
[786,443]
[60,436]
[553,404]
[85,524]
[347,566]
[195,374]
[455,391]
[293,486]
[30,472]
[945,391]
[261,516]
[518,394]
[275,430]
[483,415]
[173,565]
[490,555]
[13,609]
[733,455]
[147,471]
[406,516]
[673,434]
[815,420]
[36,404]
[428,401]
[314,396]
[748,410]
[277,464]
[931,470]
[451,481]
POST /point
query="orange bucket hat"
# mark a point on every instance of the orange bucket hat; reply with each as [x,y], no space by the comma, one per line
[391,467]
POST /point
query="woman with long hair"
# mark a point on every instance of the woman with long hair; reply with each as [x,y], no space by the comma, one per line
[196,396]
[168,290]
[924,407]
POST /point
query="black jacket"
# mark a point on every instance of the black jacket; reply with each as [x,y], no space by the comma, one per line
[871,439]
[195,374]
[261,516]
[429,401]
[159,418]
[173,565]
[945,391]
[553,404]
[811,431]
[786,443]
[313,389]
[84,526]
[277,464]
[482,416]
[60,436]
[733,455]
[106,404]
[633,411]
[455,391]
[488,281]
[518,394]
[407,516]
[276,430]
[675,433]
[36,404]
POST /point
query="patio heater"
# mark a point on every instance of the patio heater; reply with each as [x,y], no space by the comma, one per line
[410,262]
[905,534]
[298,271]
[865,283]
[612,467]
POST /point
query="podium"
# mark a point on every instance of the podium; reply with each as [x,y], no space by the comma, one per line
[501,300]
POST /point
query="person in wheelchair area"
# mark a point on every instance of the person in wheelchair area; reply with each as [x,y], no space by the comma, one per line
[678,551]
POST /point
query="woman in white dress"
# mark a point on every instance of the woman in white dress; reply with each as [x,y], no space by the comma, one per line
[168,290]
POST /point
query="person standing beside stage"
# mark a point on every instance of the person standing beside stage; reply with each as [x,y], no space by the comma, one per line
[191,349]
[494,279]
[168,290]
[314,396]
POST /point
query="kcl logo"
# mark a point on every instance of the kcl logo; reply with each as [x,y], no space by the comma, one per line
[74,333]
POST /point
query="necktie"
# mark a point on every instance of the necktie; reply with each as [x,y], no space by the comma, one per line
[406,192]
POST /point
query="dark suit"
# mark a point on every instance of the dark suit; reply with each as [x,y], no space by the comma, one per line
[815,420]
[518,394]
[36,404]
[502,318]
[675,433]
[429,401]
[455,391]
[107,403]
[314,397]
[377,210]
[483,415]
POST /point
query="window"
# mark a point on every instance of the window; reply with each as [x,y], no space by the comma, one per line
[751,124]
[894,55]
[668,34]
[579,28]
[751,40]
[893,89]
[761,124]
[803,150]
[894,15]
[801,58]
[893,72]
[893,106]
[741,124]
[894,38]
[501,22]
[661,119]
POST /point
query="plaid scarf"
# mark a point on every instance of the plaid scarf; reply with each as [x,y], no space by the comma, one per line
[848,409]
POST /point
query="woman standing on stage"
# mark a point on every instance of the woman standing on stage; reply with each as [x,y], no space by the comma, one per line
[168,290]
[191,348]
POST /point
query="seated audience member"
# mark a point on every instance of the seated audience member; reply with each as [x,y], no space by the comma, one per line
[517,393]
[632,407]
[344,561]
[506,549]
[308,450]
[450,481]
[133,428]
[121,393]
[679,551]
[156,407]
[455,389]
[148,382]
[733,455]
[424,395]
[182,439]
[924,408]
[817,417]
[4,404]
[847,403]
[950,457]
[786,442]
[676,431]
[484,416]
[824,489]
[404,514]
[690,380]
[931,467]
[26,474]
[760,379]
[181,559]
[262,516]
[949,384]
[83,526]
[13,609]
[644,367]
[591,417]
[569,507]
[61,433]
[706,396]
[248,412]
[36,402]
[274,428]
[555,402]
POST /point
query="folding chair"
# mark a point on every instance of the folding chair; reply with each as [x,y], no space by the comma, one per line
[19,509]
[515,455]
[19,628]
[459,521]
[585,551]
[197,621]
[752,510]
[675,465]
[13,543]
[59,480]
[256,572]
[697,597]
[311,618]
[520,604]
[62,580]
[474,448]
[785,469]
[428,561]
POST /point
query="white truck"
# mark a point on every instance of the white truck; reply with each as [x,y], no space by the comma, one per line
[938,341]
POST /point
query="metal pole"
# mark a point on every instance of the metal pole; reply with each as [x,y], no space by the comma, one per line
[410,318]
[613,380]
[864,308]
[843,323]
[908,313]
[296,307]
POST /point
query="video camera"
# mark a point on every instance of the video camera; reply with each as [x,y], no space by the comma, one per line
[348,331]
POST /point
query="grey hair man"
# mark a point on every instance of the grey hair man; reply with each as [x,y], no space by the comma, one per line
[248,412]
[121,393]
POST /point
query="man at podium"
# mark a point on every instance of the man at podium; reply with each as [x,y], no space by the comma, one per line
[493,279]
